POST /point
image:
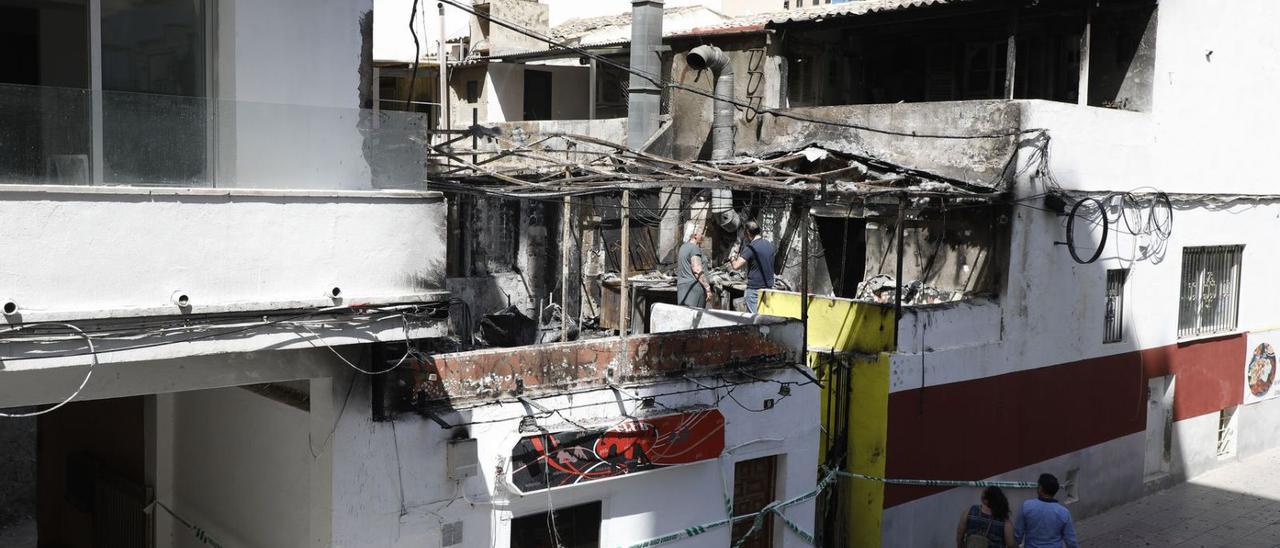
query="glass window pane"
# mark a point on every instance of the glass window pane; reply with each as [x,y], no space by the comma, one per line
[153,77]
[44,105]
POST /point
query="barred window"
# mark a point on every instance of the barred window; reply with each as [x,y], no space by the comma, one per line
[1113,326]
[1210,300]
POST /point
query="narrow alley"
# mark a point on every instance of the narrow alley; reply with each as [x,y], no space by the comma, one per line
[1236,505]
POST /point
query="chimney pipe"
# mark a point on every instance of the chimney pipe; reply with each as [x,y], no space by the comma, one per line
[722,128]
[644,97]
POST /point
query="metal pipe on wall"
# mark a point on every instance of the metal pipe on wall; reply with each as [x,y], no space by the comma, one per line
[566,214]
[715,60]
[805,218]
[624,257]
[644,104]
[898,233]
[722,125]
[442,55]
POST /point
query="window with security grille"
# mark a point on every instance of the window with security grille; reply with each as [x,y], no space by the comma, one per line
[1227,433]
[1113,326]
[1210,301]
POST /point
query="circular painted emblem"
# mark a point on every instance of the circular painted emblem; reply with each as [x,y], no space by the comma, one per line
[1261,371]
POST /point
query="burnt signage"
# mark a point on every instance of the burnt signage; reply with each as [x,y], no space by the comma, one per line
[555,459]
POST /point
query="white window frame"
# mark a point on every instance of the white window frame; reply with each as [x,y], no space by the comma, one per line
[96,146]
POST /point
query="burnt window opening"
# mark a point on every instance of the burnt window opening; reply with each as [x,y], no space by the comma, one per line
[963,55]
[473,91]
[572,527]
[537,95]
[844,244]
[1113,324]
[985,69]
[947,256]
[483,235]
[1122,57]
[611,89]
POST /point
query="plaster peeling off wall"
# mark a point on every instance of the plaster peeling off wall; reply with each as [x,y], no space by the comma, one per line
[495,39]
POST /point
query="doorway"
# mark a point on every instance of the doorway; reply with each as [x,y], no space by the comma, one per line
[1159,427]
[537,95]
[753,489]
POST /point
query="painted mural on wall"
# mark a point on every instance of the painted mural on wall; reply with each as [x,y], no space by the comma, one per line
[1260,367]
[555,459]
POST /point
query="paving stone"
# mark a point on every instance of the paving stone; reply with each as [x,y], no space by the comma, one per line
[1236,505]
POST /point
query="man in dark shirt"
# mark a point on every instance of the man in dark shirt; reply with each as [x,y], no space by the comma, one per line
[757,254]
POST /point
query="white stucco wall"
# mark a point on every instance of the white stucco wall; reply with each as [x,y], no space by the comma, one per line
[367,476]
[1051,310]
[504,92]
[1210,58]
[239,467]
[1214,63]
[90,255]
[127,248]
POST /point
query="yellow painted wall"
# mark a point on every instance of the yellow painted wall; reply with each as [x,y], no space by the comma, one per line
[860,335]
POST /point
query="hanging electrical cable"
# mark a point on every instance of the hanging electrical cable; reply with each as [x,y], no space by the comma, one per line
[93,363]
[417,54]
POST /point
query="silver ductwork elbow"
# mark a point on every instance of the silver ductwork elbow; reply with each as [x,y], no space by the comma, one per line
[715,60]
[722,126]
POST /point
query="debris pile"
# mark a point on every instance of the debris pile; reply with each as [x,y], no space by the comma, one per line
[882,289]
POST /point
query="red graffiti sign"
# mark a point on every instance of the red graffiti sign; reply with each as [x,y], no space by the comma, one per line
[633,445]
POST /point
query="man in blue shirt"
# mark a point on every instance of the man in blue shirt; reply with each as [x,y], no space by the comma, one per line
[757,254]
[1044,522]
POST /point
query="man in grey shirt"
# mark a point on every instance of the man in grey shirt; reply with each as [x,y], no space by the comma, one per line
[692,287]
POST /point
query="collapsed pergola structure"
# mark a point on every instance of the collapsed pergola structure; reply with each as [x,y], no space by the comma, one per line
[557,164]
[818,180]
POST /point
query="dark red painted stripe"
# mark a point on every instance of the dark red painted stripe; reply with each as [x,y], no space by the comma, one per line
[983,427]
[1210,373]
